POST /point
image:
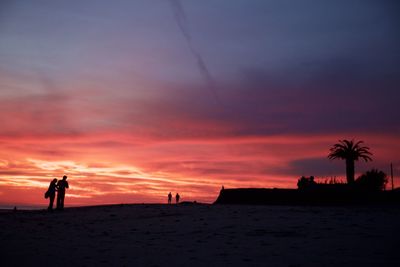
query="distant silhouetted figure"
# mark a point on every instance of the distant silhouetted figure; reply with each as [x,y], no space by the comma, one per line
[51,193]
[61,186]
[169,198]
[177,198]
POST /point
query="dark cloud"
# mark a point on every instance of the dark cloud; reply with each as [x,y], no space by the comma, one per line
[325,97]
[310,68]
[315,98]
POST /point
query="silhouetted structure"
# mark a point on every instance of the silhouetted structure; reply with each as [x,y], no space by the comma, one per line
[51,193]
[177,197]
[367,189]
[169,198]
[349,151]
[61,186]
[321,194]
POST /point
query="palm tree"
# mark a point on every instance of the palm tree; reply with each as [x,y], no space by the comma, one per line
[349,151]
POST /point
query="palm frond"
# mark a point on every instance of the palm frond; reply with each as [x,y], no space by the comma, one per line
[348,149]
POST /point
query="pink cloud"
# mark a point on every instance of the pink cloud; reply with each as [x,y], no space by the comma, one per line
[126,171]
[128,145]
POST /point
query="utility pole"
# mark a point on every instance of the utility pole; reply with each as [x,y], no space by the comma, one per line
[391,174]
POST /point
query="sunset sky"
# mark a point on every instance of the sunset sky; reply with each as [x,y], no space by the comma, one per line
[134,99]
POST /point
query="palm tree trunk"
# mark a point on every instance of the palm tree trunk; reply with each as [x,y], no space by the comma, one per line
[350,171]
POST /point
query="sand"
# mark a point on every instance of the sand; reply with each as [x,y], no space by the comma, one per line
[202,235]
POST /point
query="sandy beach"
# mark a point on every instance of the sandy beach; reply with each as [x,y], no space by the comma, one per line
[201,235]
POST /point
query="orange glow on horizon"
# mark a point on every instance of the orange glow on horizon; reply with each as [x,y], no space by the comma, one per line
[146,173]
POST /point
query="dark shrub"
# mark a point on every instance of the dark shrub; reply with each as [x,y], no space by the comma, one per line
[304,182]
[373,180]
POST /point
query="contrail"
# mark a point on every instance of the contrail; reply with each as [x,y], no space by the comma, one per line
[181,20]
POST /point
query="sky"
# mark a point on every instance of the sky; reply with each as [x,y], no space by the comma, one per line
[136,99]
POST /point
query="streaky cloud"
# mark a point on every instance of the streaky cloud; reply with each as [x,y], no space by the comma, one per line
[181,21]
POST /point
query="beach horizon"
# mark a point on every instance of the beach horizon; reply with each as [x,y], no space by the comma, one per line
[203,234]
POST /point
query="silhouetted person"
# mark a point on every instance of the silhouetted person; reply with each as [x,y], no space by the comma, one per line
[61,186]
[51,193]
[169,198]
[177,198]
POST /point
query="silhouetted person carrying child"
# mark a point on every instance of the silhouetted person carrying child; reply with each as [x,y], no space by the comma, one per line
[51,193]
[61,186]
[177,197]
[169,198]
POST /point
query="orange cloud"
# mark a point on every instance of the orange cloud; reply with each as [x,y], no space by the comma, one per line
[118,169]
